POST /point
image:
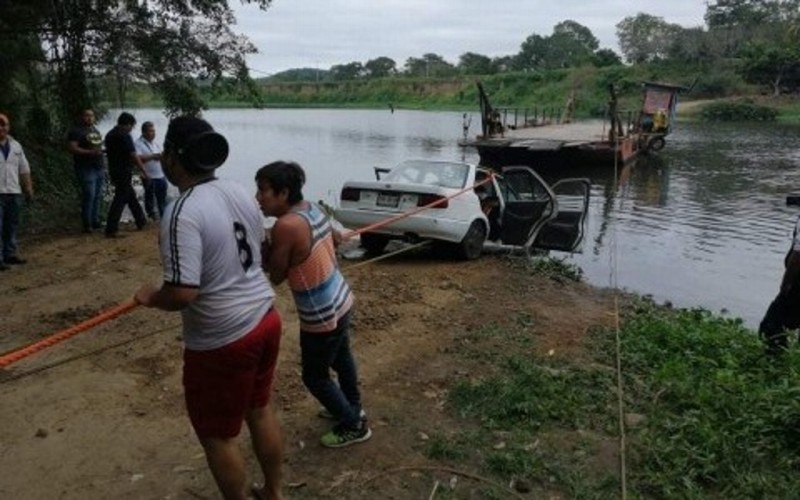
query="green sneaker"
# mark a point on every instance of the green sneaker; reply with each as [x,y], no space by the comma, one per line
[324,413]
[340,436]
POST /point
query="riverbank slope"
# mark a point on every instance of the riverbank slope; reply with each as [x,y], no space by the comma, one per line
[491,379]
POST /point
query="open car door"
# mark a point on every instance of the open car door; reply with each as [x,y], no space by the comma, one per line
[529,204]
[565,231]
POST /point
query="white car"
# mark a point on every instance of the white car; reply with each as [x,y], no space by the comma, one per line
[515,207]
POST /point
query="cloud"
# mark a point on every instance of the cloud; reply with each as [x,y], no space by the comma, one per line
[321,33]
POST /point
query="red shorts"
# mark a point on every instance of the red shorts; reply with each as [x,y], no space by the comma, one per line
[222,384]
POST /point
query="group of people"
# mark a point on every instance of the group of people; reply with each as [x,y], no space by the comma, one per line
[219,270]
[124,154]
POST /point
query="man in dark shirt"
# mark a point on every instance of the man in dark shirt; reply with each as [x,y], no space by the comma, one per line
[121,159]
[86,145]
[783,313]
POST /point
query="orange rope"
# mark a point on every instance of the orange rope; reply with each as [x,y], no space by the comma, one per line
[109,314]
[414,211]
[24,352]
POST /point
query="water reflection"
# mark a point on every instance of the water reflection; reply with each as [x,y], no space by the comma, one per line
[702,223]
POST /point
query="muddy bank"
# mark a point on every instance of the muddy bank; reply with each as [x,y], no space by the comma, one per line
[101,415]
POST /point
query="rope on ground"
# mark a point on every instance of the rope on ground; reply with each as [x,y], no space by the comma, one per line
[461,473]
[58,337]
[16,355]
[99,350]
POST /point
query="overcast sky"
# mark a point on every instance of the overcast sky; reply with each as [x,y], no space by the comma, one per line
[321,33]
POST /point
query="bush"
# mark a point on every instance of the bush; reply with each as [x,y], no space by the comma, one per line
[714,85]
[737,111]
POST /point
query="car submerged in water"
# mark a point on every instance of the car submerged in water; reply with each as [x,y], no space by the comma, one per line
[468,206]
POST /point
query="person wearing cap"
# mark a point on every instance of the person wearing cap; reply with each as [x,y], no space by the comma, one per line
[210,242]
[121,159]
[155,187]
[302,251]
[15,179]
[85,143]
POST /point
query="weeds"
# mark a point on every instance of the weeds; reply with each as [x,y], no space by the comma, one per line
[555,268]
[720,419]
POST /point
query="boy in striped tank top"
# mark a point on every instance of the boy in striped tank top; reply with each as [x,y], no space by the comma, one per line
[302,251]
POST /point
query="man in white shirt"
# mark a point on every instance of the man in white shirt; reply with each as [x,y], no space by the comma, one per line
[15,178]
[155,186]
[210,243]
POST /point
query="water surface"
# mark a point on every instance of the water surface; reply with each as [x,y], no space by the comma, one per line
[704,223]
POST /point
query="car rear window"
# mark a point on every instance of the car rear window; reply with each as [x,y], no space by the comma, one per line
[442,174]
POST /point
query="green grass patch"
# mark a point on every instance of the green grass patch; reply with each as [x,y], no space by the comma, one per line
[717,418]
[730,111]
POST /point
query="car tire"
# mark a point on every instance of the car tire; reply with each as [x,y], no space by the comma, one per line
[374,243]
[471,246]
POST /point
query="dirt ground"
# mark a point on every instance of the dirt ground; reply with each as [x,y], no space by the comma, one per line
[101,415]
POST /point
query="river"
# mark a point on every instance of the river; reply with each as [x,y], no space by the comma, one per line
[703,224]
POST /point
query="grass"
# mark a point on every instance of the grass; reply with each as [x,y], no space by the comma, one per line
[717,418]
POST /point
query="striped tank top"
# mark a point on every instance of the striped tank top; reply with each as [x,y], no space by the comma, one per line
[321,294]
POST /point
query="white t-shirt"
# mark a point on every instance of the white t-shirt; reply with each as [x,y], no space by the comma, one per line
[11,167]
[211,239]
[151,167]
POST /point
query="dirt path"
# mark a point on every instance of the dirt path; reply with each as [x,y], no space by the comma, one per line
[101,415]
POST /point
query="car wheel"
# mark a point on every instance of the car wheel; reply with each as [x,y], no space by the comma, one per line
[471,246]
[374,243]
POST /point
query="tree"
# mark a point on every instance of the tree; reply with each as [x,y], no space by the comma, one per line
[430,65]
[645,38]
[606,57]
[349,71]
[170,44]
[501,64]
[734,23]
[532,53]
[380,67]
[470,63]
[765,63]
[692,45]
[571,44]
[728,13]
[578,33]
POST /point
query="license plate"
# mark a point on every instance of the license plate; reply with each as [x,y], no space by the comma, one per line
[388,200]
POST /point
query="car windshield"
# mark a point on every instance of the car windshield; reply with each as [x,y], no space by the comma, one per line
[442,174]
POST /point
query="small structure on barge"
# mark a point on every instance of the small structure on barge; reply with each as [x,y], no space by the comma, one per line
[546,138]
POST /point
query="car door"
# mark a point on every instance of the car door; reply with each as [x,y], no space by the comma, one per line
[564,232]
[528,204]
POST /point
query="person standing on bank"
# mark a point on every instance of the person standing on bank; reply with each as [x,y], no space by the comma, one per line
[301,250]
[121,159]
[155,187]
[210,248]
[784,312]
[86,145]
[15,178]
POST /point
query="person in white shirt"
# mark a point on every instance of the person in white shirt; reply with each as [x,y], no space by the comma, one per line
[15,178]
[155,186]
[210,242]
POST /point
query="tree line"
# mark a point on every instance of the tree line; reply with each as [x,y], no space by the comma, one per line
[760,37]
[59,54]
